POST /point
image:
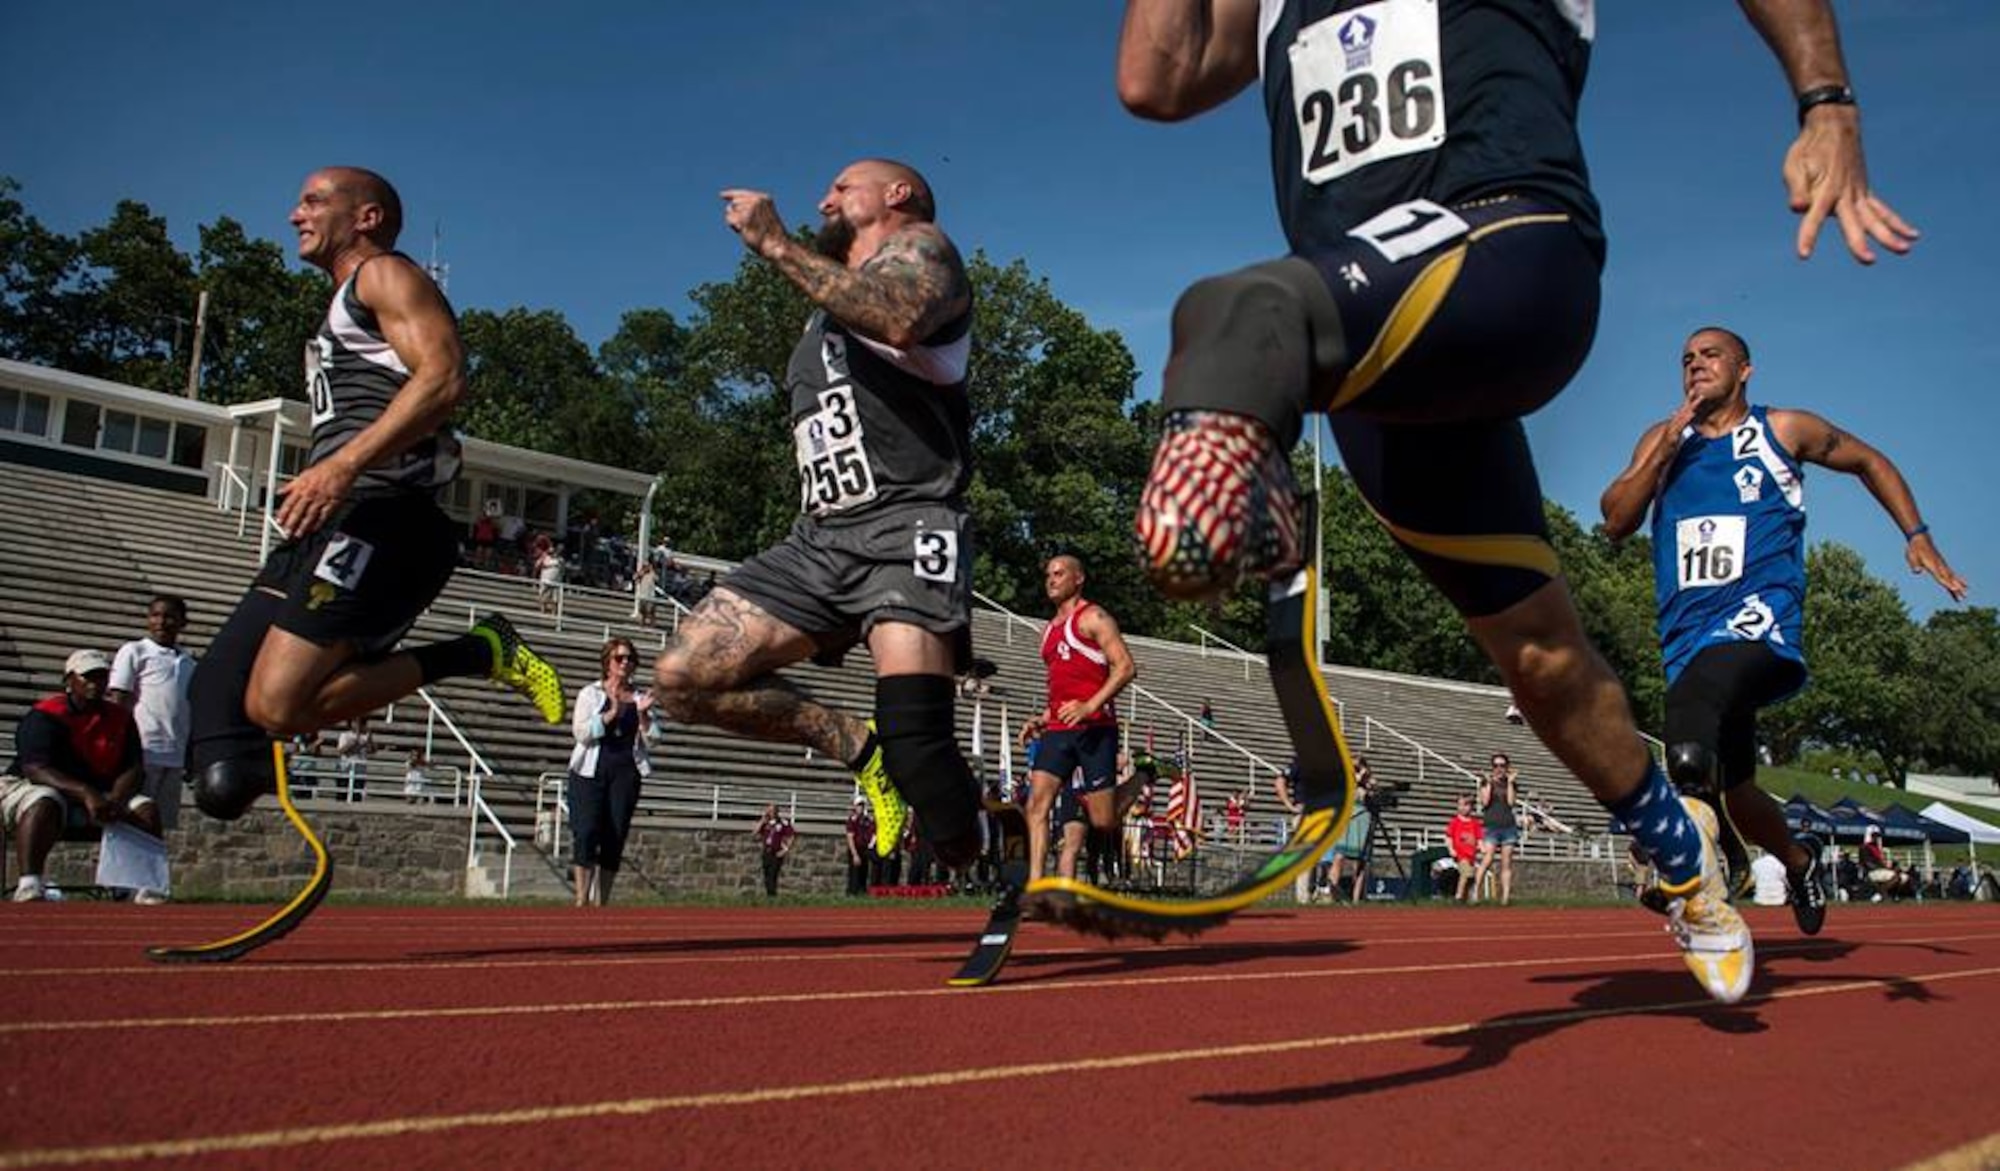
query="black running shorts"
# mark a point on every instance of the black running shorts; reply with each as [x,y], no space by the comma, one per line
[366,575]
[1458,322]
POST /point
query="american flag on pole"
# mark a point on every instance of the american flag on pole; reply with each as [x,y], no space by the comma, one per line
[1184,811]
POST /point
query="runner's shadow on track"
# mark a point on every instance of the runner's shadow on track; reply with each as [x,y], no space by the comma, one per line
[1648,992]
[656,947]
[1132,960]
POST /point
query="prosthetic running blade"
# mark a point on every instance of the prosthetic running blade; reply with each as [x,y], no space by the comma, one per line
[288,917]
[1326,776]
[996,939]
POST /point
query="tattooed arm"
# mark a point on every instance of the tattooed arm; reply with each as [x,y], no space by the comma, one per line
[1814,440]
[914,283]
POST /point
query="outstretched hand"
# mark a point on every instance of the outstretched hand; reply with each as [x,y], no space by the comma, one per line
[1826,174]
[752,215]
[1923,556]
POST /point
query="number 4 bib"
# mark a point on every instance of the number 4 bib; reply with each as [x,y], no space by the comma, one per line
[1367,87]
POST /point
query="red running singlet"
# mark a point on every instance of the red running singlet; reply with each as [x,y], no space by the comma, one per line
[1077,668]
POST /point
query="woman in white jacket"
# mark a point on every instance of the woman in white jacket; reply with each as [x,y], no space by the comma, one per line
[613,724]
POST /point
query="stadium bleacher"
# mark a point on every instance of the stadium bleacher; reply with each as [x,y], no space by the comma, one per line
[82,554]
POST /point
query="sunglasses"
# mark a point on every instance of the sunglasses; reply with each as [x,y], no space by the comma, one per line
[621,658]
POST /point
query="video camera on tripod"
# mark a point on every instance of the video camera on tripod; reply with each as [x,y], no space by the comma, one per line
[1380,795]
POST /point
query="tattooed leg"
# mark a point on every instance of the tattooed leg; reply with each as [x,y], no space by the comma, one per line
[719,670]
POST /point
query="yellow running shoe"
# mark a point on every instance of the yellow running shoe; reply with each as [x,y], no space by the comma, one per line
[892,813]
[517,665]
[1714,940]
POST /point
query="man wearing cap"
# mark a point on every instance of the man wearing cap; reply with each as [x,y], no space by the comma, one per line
[77,762]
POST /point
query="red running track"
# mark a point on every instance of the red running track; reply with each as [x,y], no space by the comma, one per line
[766,1037]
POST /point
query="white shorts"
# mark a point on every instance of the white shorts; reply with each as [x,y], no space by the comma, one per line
[18,793]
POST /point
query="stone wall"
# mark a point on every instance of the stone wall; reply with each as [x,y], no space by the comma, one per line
[421,853]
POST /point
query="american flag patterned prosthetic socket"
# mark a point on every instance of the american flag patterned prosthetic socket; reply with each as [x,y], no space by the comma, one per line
[1220,506]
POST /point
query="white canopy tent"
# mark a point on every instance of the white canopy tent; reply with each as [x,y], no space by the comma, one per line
[1983,833]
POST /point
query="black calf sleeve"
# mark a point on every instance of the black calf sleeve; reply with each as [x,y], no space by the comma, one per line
[1255,342]
[913,718]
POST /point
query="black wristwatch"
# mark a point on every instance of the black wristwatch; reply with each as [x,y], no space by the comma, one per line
[1824,95]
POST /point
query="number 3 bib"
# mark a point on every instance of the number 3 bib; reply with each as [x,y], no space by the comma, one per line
[1367,86]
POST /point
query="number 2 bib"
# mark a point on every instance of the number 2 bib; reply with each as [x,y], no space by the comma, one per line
[1368,86]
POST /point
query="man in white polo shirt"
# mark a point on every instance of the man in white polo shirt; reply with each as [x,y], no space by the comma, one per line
[150,678]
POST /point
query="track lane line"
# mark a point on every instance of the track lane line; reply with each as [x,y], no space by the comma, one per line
[1081,983]
[640,1107]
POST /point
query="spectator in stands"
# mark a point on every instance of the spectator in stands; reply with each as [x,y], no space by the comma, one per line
[646,590]
[512,531]
[355,746]
[613,724]
[1768,875]
[548,572]
[860,845]
[1501,830]
[416,780]
[485,534]
[303,757]
[1207,719]
[775,835]
[150,677]
[77,762]
[1464,831]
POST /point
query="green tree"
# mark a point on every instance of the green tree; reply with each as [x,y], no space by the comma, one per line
[1957,702]
[261,313]
[1058,460]
[137,302]
[1861,647]
[527,375]
[40,270]
[1612,583]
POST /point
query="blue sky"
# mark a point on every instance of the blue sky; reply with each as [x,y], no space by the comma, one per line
[572,160]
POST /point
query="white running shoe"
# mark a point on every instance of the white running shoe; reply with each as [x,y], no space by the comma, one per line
[29,889]
[1714,940]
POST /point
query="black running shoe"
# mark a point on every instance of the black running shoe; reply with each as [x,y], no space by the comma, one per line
[1808,895]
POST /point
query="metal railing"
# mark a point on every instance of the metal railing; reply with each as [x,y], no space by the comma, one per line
[1205,637]
[350,778]
[1423,751]
[479,771]
[564,621]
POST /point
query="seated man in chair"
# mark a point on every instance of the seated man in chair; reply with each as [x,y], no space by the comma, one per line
[77,763]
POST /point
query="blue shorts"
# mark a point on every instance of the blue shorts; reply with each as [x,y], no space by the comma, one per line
[1509,836]
[1093,749]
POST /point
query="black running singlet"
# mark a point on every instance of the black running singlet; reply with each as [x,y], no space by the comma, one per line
[352,372]
[1375,104]
[875,426]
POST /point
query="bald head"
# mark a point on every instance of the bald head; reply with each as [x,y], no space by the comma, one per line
[366,188]
[917,200]
[1062,578]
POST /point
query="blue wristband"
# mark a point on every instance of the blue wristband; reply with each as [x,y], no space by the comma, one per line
[1914,533]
